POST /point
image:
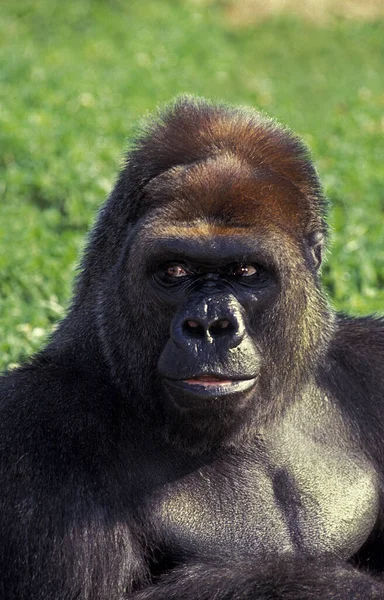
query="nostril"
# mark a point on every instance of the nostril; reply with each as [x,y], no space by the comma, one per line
[193,328]
[222,327]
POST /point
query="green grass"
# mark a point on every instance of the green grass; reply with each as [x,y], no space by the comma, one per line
[76,76]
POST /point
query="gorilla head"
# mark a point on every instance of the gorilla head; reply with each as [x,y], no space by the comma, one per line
[211,314]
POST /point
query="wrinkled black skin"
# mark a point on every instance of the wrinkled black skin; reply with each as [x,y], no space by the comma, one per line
[95,441]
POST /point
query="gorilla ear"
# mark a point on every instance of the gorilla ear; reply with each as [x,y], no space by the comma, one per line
[316,245]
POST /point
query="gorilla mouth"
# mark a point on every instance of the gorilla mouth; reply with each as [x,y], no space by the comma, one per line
[213,385]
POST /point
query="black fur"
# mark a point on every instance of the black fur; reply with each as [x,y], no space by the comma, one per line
[123,473]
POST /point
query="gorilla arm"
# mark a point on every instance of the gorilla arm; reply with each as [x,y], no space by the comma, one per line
[61,524]
[286,578]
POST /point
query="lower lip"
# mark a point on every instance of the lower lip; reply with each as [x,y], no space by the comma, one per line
[220,387]
[208,381]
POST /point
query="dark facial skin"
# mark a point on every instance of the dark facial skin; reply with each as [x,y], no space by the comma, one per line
[210,354]
[203,290]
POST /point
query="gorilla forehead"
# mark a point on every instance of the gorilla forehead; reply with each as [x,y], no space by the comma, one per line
[202,242]
[210,242]
[227,190]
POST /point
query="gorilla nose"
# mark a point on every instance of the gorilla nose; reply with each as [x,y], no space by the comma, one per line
[227,330]
[217,319]
[216,328]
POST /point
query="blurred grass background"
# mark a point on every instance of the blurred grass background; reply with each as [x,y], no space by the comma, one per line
[76,76]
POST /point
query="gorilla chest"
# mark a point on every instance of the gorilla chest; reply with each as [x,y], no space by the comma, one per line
[308,502]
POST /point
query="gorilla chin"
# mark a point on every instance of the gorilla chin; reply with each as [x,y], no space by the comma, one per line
[204,415]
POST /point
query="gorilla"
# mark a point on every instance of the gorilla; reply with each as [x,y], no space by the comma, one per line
[202,425]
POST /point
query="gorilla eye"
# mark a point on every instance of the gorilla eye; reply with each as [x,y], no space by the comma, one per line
[175,271]
[244,271]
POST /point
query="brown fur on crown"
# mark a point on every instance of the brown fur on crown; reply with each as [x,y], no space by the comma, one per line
[194,130]
[226,191]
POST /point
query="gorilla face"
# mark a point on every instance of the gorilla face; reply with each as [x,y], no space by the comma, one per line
[210,352]
[211,290]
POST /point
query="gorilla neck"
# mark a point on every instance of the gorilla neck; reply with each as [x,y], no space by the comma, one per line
[227,424]
[205,433]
